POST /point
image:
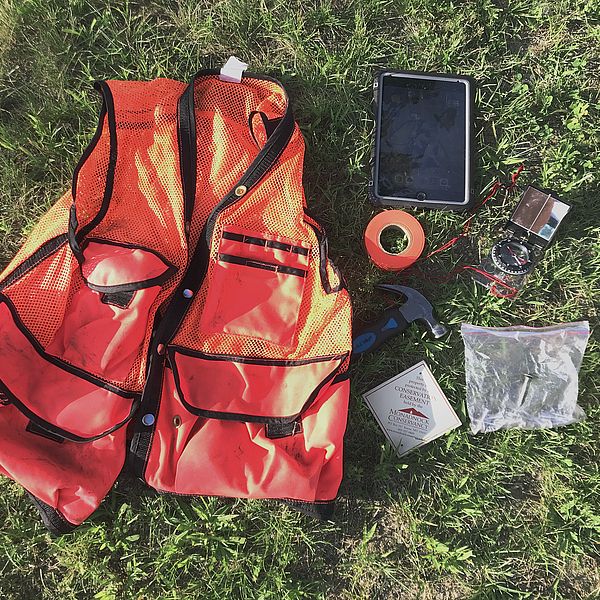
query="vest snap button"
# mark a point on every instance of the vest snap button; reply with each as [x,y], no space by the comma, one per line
[176,421]
[148,419]
[187,293]
[160,349]
[240,190]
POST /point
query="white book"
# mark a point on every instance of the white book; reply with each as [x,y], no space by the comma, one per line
[411,409]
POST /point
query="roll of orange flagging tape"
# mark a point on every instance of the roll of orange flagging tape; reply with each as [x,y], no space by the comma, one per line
[409,225]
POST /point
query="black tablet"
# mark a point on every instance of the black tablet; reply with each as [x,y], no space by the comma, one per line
[423,139]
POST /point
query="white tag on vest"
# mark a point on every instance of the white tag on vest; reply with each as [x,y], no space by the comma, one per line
[232,70]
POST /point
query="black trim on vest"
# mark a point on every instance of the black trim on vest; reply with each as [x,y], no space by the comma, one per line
[130,246]
[318,510]
[251,360]
[59,431]
[341,377]
[186,135]
[108,108]
[90,147]
[170,269]
[43,252]
[53,520]
[142,437]
[324,257]
[131,287]
[198,264]
[270,125]
[71,233]
[261,264]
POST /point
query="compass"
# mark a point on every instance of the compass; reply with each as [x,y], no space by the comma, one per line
[512,257]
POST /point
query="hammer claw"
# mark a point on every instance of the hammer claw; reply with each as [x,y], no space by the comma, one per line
[395,320]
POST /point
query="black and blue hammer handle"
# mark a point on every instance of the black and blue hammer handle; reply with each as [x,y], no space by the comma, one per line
[373,335]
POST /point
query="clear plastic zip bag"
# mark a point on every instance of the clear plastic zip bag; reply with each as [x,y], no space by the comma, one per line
[523,377]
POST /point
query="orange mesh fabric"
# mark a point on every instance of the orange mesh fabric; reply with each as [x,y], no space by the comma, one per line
[146,203]
[42,296]
[51,225]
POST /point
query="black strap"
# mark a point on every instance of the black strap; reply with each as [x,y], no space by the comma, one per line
[269,124]
[44,251]
[37,430]
[119,299]
[186,133]
[77,236]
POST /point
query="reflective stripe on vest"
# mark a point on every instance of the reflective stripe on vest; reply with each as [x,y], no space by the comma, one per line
[177,311]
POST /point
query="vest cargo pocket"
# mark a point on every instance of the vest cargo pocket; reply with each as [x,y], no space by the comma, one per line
[256,286]
[63,431]
[218,415]
[104,328]
[60,399]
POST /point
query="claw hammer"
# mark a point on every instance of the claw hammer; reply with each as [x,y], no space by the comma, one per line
[396,319]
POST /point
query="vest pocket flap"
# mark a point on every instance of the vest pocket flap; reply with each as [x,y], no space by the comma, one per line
[249,389]
[58,397]
[114,267]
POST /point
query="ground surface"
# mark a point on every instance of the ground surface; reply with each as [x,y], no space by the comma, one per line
[507,515]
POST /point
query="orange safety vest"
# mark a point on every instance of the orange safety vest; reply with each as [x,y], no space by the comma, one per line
[177,312]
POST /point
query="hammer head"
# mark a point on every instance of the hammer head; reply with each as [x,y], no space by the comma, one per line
[417,308]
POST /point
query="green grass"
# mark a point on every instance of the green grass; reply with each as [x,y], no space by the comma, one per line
[511,514]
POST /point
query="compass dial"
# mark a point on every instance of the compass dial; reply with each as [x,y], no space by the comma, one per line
[513,257]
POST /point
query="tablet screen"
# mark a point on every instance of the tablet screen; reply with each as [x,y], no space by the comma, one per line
[422,139]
